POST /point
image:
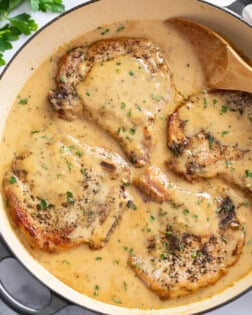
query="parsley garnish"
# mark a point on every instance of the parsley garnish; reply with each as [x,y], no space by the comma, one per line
[223,109]
[224,133]
[204,102]
[185,212]
[116,300]
[132,131]
[98,258]
[123,105]
[43,204]
[70,197]
[120,28]
[23,101]
[211,142]
[47,5]
[248,173]
[12,180]
[22,23]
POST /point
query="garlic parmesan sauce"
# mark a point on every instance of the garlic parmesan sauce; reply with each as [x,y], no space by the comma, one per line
[104,274]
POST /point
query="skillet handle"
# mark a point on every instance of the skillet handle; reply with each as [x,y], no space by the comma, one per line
[238,6]
[55,304]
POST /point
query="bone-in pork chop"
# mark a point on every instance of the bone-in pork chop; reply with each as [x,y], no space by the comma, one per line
[204,141]
[123,84]
[61,193]
[178,257]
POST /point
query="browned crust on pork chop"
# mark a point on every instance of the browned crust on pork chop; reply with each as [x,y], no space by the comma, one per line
[177,263]
[154,184]
[201,155]
[75,67]
[87,216]
[64,99]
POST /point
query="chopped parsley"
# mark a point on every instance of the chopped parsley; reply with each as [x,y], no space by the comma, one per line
[120,28]
[79,153]
[64,261]
[228,163]
[214,102]
[125,285]
[98,258]
[123,105]
[129,114]
[132,131]
[62,79]
[70,197]
[223,109]
[23,101]
[224,132]
[133,206]
[43,204]
[12,180]
[248,173]
[152,218]
[131,73]
[211,142]
[116,300]
[224,239]
[204,102]
[105,31]
[185,212]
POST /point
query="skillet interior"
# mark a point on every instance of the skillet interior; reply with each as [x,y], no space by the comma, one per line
[73,25]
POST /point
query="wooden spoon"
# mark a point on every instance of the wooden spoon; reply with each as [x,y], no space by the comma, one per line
[224,68]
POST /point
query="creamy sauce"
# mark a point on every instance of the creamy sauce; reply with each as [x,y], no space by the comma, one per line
[104,274]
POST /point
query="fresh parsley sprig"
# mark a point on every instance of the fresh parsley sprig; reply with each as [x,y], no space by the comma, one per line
[22,23]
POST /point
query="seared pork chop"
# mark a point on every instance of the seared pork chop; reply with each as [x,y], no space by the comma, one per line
[62,193]
[124,85]
[176,263]
[204,143]
[185,251]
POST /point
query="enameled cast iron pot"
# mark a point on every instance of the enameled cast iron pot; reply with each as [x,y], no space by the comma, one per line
[82,19]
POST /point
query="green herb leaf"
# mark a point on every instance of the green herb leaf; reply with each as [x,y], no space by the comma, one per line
[223,109]
[248,173]
[43,204]
[116,300]
[47,5]
[120,28]
[132,131]
[24,23]
[152,218]
[123,105]
[98,258]
[211,142]
[204,102]
[23,101]
[185,212]
[224,133]
[70,197]
[12,180]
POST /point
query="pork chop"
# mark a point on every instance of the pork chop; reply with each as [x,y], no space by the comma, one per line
[182,256]
[204,141]
[123,84]
[176,264]
[62,193]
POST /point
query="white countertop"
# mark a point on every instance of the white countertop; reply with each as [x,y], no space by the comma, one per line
[242,305]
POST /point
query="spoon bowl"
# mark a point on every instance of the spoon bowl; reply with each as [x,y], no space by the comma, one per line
[224,68]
